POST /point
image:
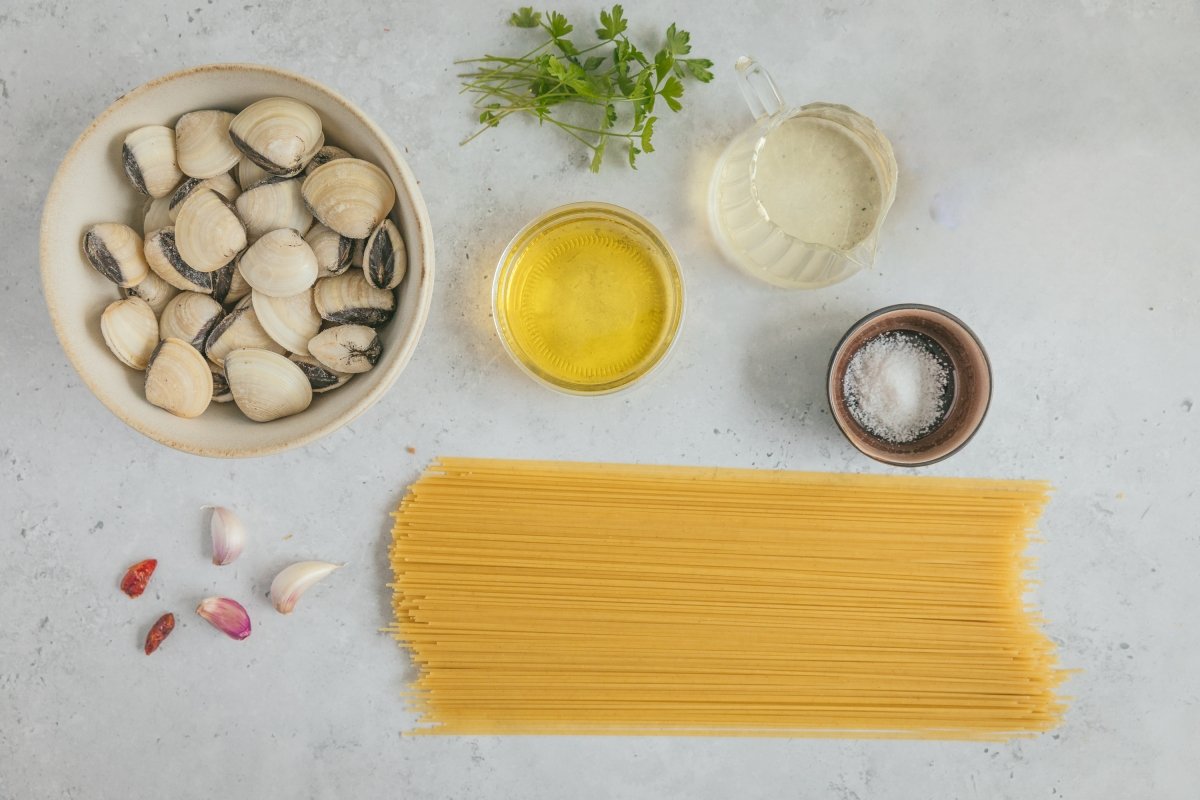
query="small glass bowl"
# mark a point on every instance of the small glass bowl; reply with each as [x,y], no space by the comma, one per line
[588,228]
[970,370]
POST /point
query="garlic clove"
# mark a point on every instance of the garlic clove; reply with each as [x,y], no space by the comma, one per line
[295,580]
[226,615]
[228,535]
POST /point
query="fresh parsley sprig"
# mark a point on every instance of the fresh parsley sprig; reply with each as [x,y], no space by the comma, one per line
[621,82]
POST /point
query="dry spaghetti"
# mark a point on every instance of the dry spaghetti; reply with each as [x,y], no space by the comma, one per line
[540,597]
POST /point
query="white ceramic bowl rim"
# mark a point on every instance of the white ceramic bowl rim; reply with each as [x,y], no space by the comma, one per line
[391,369]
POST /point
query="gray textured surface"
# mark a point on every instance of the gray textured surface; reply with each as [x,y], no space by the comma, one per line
[1047,195]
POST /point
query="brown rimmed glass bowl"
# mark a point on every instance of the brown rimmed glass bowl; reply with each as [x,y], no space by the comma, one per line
[971,377]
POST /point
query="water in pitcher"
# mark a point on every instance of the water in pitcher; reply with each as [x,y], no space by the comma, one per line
[798,198]
[817,183]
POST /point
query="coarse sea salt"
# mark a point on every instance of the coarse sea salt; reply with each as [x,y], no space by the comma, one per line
[894,387]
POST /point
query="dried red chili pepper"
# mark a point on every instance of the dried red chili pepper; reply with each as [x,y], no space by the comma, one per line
[159,631]
[137,576]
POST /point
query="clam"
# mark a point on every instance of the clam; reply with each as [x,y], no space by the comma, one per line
[290,321]
[238,288]
[356,260]
[163,257]
[190,317]
[279,134]
[157,215]
[249,173]
[115,251]
[266,385]
[385,259]
[202,143]
[222,282]
[348,299]
[350,195]
[221,393]
[333,251]
[222,184]
[208,231]
[154,290]
[346,348]
[324,155]
[320,377]
[149,158]
[280,264]
[178,379]
[239,328]
[273,204]
[130,330]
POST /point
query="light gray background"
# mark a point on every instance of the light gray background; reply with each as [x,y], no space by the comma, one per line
[1048,195]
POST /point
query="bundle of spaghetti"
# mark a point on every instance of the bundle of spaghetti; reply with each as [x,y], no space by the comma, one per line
[554,597]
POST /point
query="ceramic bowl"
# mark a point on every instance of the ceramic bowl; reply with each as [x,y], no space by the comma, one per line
[969,397]
[91,187]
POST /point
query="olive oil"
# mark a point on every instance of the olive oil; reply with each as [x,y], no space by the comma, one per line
[589,298]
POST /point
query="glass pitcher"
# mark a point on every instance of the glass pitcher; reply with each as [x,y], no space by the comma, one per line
[797,200]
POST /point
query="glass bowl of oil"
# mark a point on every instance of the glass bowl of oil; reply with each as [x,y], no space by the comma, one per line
[588,298]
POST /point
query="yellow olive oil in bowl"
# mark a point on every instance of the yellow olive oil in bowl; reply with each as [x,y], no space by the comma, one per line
[588,298]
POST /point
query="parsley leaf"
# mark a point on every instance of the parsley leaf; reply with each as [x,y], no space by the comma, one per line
[699,68]
[678,41]
[613,24]
[671,91]
[598,156]
[647,132]
[663,61]
[558,26]
[526,17]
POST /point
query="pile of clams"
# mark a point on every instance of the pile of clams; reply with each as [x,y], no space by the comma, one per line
[266,261]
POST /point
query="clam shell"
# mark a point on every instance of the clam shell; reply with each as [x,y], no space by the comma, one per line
[154,290]
[385,258]
[157,215]
[280,264]
[333,251]
[346,348]
[348,299]
[190,317]
[325,155]
[350,195]
[273,204]
[202,143]
[249,173]
[320,377]
[279,134]
[178,379]
[148,155]
[208,232]
[221,393]
[163,257]
[130,330]
[239,328]
[222,184]
[222,282]
[115,251]
[238,288]
[290,321]
[266,385]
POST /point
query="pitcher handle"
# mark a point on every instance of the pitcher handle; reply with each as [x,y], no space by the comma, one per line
[757,87]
